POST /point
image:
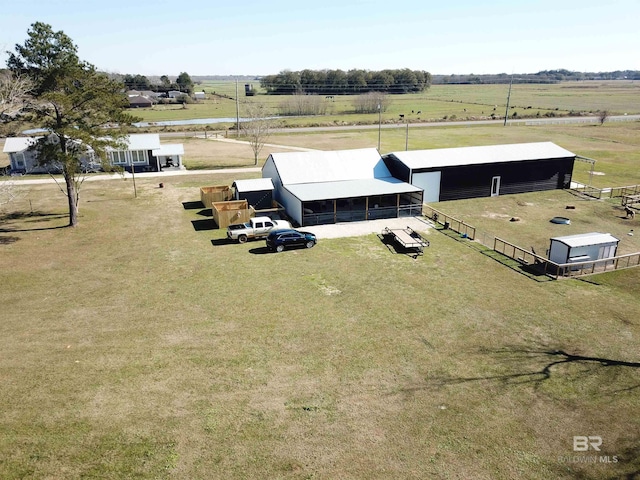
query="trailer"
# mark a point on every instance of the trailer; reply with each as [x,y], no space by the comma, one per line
[407,238]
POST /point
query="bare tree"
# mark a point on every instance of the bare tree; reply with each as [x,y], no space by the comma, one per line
[603,115]
[258,127]
[14,97]
[371,102]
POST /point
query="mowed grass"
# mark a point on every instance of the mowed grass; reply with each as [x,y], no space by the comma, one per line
[142,345]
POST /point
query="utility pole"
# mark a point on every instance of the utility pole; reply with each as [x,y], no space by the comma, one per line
[406,142]
[237,112]
[506,114]
[379,124]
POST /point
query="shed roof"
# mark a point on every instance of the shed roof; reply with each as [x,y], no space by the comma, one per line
[168,149]
[586,239]
[253,185]
[17,144]
[449,157]
[333,166]
[308,192]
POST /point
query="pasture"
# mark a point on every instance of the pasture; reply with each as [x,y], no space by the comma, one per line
[440,102]
[143,345]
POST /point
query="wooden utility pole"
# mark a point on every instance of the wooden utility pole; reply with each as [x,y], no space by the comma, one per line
[506,114]
[237,112]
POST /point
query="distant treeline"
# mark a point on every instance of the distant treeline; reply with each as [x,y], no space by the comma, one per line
[352,82]
[544,76]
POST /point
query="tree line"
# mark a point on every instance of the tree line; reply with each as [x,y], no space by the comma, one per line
[544,76]
[352,82]
[182,83]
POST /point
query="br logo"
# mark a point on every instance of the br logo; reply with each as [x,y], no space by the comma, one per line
[583,444]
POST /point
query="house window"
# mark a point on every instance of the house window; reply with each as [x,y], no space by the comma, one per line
[118,158]
[139,156]
[19,161]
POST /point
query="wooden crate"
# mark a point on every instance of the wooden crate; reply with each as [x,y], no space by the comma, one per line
[235,211]
[216,193]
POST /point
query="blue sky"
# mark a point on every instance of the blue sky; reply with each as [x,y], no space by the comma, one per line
[265,37]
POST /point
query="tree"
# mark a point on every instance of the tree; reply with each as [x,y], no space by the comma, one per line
[258,127]
[185,83]
[603,115]
[14,97]
[72,102]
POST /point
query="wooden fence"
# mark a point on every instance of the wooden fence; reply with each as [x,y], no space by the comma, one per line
[449,222]
[564,270]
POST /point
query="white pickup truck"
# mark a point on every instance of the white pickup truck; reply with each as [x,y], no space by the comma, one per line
[257,227]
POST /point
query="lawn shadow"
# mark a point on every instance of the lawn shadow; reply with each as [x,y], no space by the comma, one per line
[192,205]
[218,242]
[200,225]
[8,240]
[534,366]
[29,218]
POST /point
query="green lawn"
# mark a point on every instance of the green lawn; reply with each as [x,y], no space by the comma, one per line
[142,345]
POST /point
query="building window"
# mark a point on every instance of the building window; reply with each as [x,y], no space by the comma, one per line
[139,156]
[118,158]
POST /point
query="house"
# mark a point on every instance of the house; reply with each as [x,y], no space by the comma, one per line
[471,172]
[143,152]
[320,187]
[583,247]
[140,101]
[174,93]
[258,192]
[23,157]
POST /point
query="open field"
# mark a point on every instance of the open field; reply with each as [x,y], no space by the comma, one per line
[439,102]
[142,344]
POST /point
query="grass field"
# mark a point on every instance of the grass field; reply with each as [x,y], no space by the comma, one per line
[439,102]
[142,345]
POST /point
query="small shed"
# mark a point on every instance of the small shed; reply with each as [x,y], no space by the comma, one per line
[258,192]
[199,95]
[583,247]
[234,211]
[215,193]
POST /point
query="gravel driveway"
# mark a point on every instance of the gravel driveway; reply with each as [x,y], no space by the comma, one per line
[356,229]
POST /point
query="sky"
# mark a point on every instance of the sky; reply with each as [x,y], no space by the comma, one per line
[250,37]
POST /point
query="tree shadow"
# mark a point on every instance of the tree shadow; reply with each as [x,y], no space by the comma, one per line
[31,217]
[535,366]
[8,240]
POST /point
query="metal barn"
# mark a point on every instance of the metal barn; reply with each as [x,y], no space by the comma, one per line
[472,172]
[320,187]
[582,247]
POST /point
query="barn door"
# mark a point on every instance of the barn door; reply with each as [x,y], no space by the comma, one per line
[495,186]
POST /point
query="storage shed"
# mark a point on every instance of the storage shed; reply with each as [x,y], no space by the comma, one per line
[319,187]
[471,172]
[215,193]
[582,247]
[258,192]
[233,211]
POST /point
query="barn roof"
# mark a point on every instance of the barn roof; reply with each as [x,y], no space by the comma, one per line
[308,192]
[586,239]
[450,157]
[333,166]
[253,185]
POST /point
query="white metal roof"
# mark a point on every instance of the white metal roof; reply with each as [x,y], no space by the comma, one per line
[333,166]
[169,149]
[143,141]
[253,185]
[17,144]
[307,192]
[448,157]
[586,239]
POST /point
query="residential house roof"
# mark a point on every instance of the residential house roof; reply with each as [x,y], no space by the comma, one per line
[18,144]
[168,149]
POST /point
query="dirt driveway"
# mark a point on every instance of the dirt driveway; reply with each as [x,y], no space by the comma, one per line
[356,229]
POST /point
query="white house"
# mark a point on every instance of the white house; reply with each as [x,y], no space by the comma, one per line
[143,152]
[339,186]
